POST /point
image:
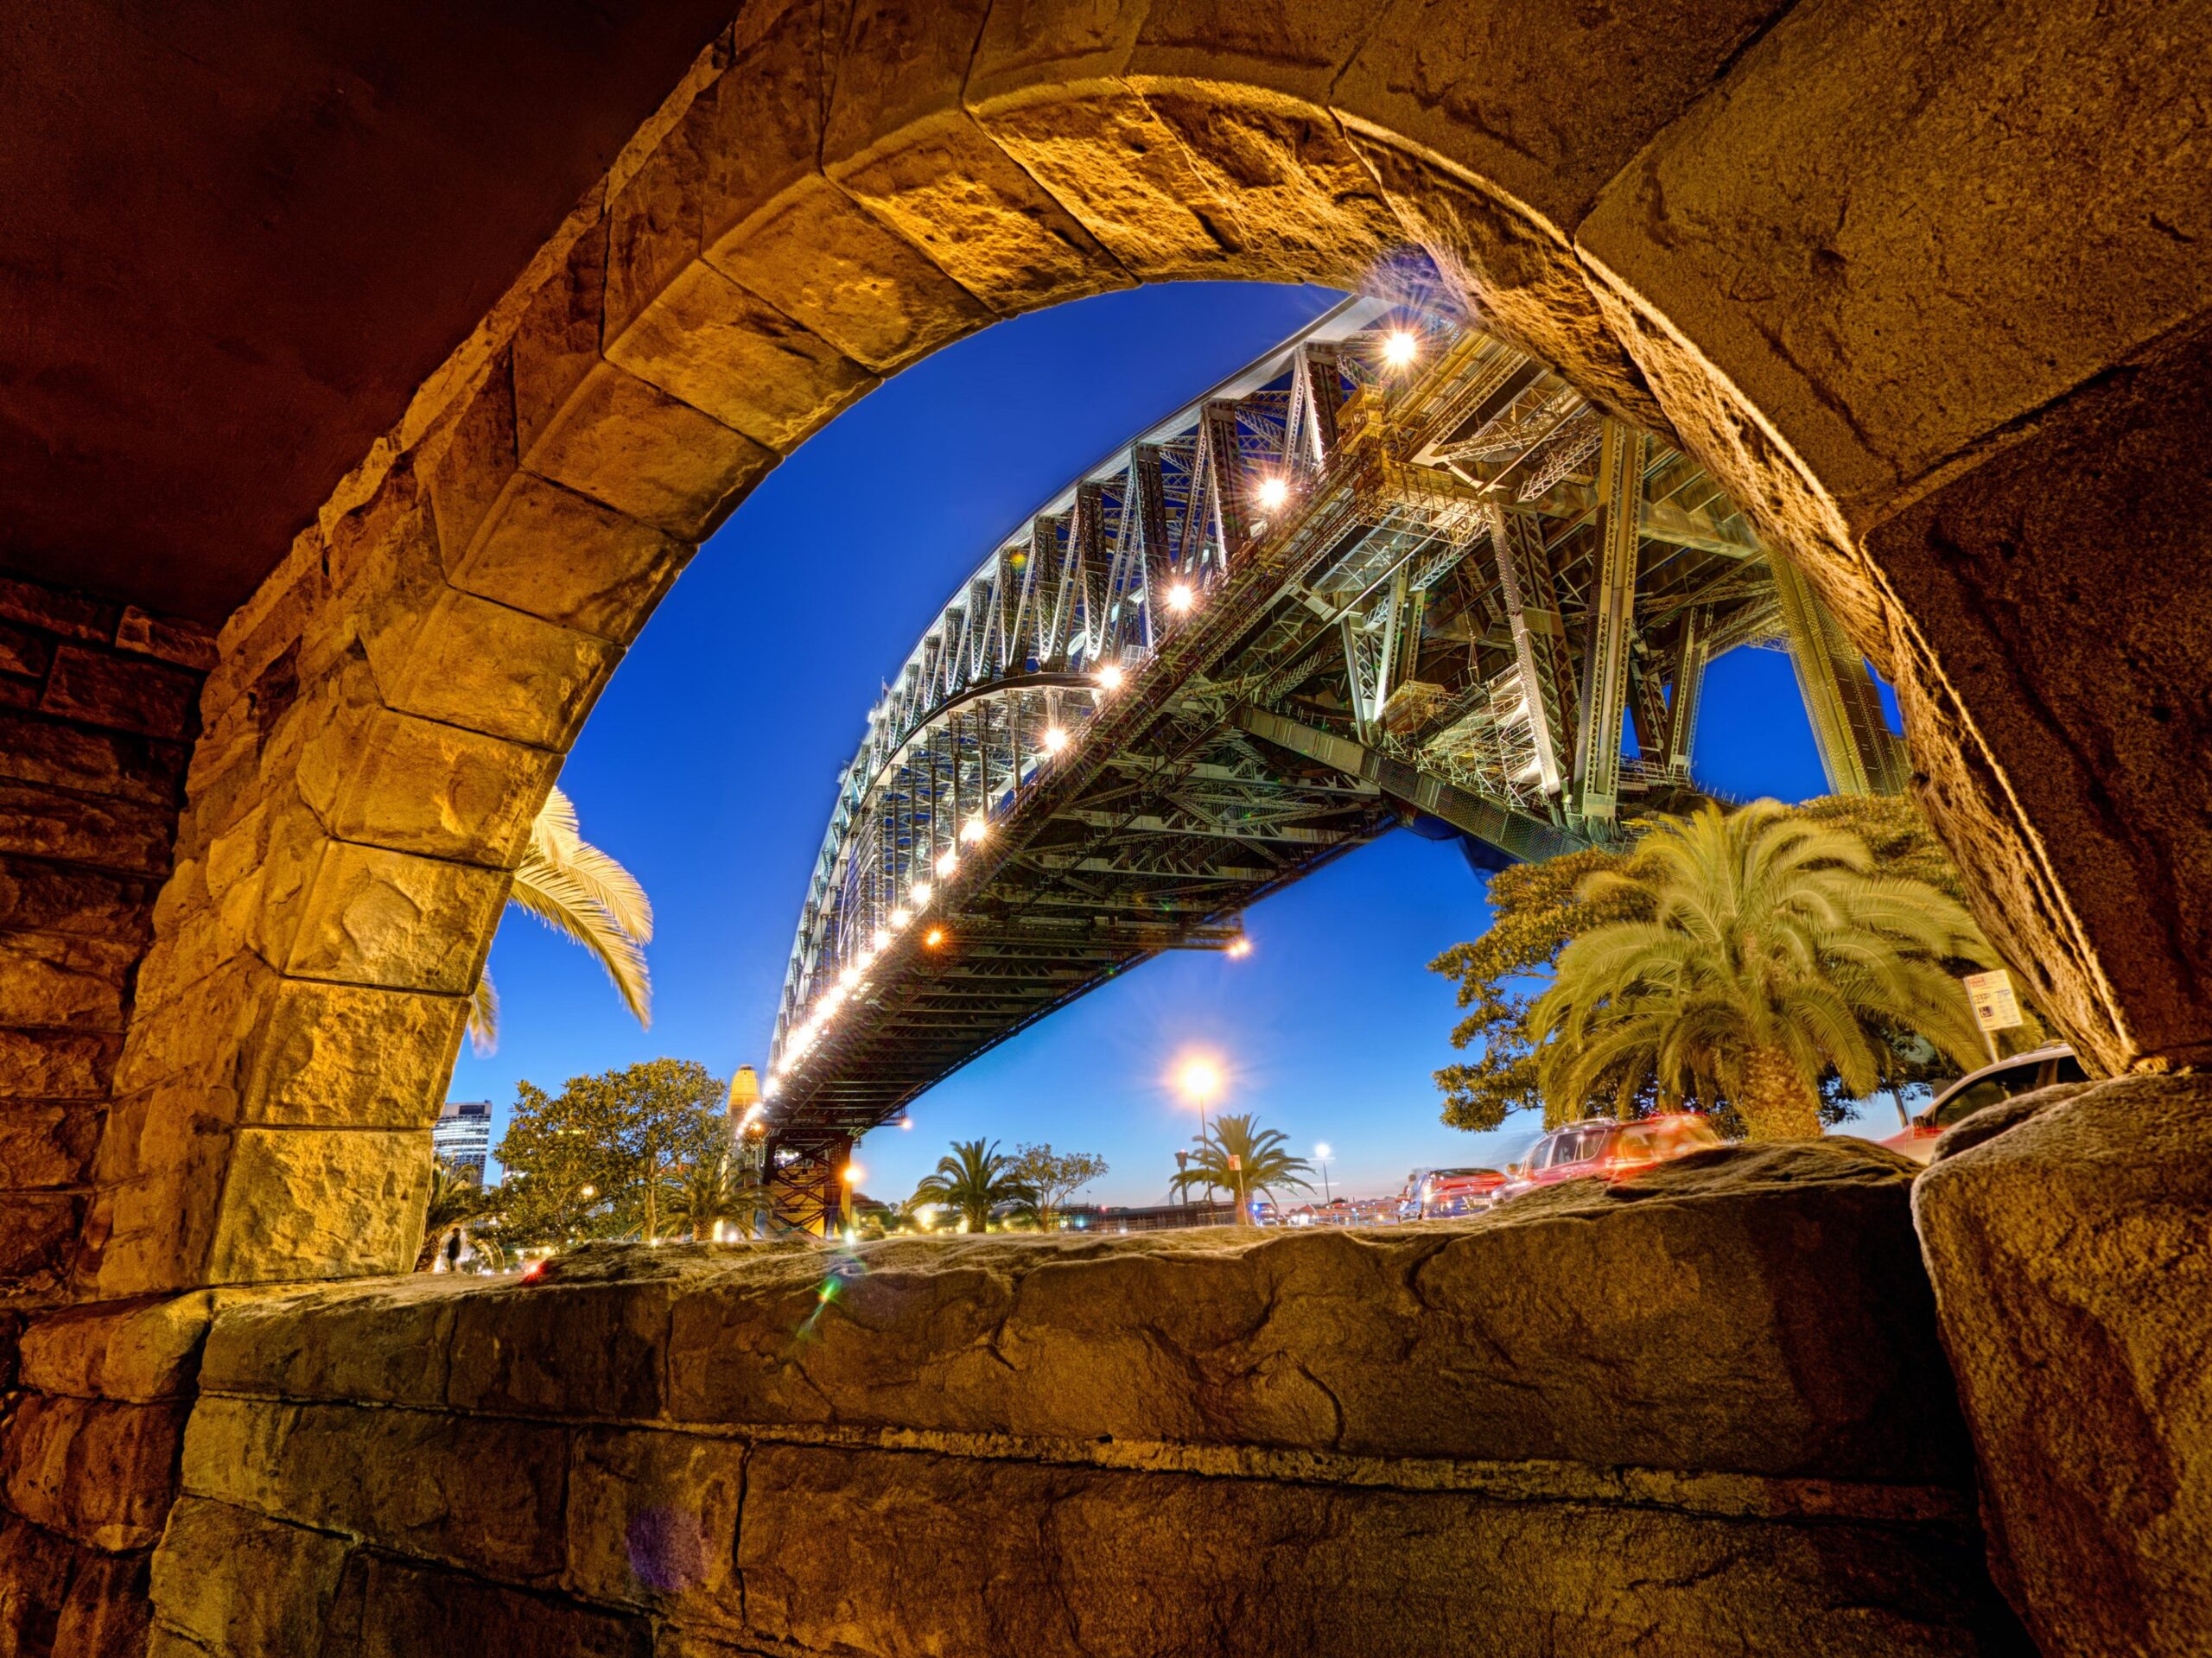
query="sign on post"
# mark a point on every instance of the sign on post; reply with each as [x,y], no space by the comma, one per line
[1995,1006]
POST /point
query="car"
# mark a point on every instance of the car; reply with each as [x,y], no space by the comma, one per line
[1612,1150]
[1444,1192]
[2021,1073]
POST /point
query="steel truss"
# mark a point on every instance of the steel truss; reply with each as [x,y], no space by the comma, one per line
[1326,597]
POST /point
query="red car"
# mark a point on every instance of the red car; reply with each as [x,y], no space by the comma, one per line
[1616,1151]
[2021,1074]
[1458,1192]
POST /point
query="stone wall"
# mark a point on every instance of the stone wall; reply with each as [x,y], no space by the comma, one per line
[97,715]
[1703,1414]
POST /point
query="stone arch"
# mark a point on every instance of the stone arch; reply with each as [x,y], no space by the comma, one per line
[1768,233]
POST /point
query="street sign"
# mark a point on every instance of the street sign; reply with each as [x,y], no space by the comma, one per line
[1995,1006]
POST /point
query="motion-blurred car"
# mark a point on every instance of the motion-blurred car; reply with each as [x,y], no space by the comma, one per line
[1457,1191]
[1992,1084]
[1615,1151]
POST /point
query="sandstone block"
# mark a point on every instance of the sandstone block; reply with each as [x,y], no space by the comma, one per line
[385,1341]
[655,222]
[591,1348]
[488,669]
[816,257]
[1754,1311]
[55,979]
[72,615]
[707,340]
[378,918]
[56,1064]
[235,1583]
[106,1614]
[125,835]
[26,652]
[897,68]
[388,779]
[89,760]
[652,1522]
[102,688]
[2072,1258]
[37,1229]
[169,639]
[1291,46]
[140,1351]
[1788,221]
[342,1056]
[469,460]
[647,455]
[555,349]
[946,187]
[151,1234]
[479,1493]
[99,1471]
[394,1609]
[307,1203]
[39,897]
[883,1553]
[45,1145]
[563,556]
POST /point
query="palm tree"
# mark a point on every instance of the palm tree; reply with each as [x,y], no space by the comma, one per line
[1773,952]
[975,1179]
[575,889]
[1245,1158]
[703,1195]
[455,1200]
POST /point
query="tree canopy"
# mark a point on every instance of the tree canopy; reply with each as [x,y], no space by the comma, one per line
[1055,1177]
[975,1179]
[1235,1154]
[1538,909]
[594,1160]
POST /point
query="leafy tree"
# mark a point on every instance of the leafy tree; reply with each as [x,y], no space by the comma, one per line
[975,1179]
[1537,909]
[582,894]
[1765,951]
[595,1160]
[456,1202]
[1239,1156]
[1055,1176]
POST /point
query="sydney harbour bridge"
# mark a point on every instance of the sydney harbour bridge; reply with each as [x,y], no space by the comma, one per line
[1393,572]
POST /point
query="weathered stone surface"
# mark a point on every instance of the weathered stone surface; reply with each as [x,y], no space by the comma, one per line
[88,760]
[816,257]
[308,1202]
[564,557]
[389,779]
[647,455]
[391,1609]
[945,186]
[72,615]
[720,348]
[471,1491]
[652,1522]
[865,1552]
[234,1582]
[26,652]
[55,979]
[387,1341]
[1793,222]
[46,1145]
[39,897]
[343,1056]
[140,1351]
[2072,1257]
[62,1598]
[37,1229]
[56,1064]
[106,833]
[97,1471]
[102,688]
[1707,1307]
[486,668]
[171,638]
[2052,652]
[379,918]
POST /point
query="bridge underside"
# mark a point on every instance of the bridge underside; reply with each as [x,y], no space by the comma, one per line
[1395,569]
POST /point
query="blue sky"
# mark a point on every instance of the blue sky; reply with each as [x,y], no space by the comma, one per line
[709,765]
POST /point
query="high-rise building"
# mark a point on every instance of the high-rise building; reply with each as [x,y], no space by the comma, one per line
[461,1137]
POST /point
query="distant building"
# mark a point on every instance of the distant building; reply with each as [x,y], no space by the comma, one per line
[744,1100]
[461,1137]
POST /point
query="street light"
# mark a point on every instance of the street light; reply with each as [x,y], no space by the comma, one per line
[1322,1153]
[1181,598]
[1199,1080]
[1400,348]
[1274,492]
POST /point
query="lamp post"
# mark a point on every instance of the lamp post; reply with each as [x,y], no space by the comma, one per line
[1199,1079]
[1322,1153]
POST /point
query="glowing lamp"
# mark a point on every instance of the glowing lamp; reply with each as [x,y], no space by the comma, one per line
[1240,948]
[947,861]
[1055,740]
[933,937]
[1109,677]
[921,895]
[972,830]
[1400,348]
[853,1174]
[1181,598]
[901,916]
[1274,492]
[880,938]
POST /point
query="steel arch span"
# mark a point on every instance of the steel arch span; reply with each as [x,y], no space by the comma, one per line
[1395,568]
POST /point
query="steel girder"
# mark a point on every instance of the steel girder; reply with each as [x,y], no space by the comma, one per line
[1324,598]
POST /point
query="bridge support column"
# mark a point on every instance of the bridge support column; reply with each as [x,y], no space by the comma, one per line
[1613,614]
[1859,751]
[806,1185]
